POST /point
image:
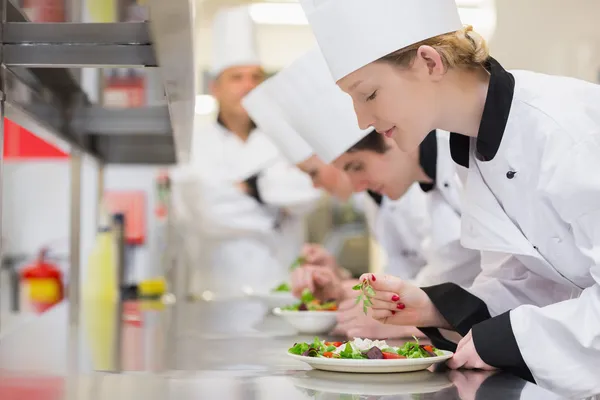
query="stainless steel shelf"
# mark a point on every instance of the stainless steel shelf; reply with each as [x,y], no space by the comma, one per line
[43,95]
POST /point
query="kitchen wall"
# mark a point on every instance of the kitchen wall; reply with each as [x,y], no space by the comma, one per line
[550,36]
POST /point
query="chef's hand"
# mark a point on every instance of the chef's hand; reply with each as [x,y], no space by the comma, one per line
[398,302]
[322,282]
[353,323]
[315,254]
[467,383]
[466,356]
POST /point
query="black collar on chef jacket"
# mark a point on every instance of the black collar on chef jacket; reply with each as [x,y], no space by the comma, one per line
[377,198]
[493,121]
[220,122]
[428,159]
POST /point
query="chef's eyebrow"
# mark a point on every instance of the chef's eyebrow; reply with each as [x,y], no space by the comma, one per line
[348,165]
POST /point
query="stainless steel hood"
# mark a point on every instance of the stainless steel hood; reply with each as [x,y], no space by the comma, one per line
[42,94]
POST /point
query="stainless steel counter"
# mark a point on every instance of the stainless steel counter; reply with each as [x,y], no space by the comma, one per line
[169,354]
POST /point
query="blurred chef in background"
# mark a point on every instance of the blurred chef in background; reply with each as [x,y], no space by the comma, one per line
[246,202]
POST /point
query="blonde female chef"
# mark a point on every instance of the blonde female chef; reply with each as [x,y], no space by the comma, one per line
[531,143]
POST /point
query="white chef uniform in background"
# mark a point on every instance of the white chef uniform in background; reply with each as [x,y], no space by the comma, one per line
[243,242]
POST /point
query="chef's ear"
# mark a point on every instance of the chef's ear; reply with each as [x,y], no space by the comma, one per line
[429,58]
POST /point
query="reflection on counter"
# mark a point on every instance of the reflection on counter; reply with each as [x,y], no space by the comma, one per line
[242,385]
[172,361]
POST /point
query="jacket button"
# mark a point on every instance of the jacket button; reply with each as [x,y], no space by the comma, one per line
[510,174]
[446,184]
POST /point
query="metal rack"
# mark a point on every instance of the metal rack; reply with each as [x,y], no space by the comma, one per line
[40,91]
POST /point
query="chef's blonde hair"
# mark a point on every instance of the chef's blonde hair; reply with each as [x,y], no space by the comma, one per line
[460,49]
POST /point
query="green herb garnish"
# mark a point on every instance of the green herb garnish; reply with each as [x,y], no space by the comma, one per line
[300,261]
[367,293]
[284,287]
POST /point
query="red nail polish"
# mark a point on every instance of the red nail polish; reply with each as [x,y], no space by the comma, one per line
[373,278]
[395,297]
[400,306]
[393,312]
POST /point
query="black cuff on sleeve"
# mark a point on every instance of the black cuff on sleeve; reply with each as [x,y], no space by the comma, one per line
[438,340]
[495,343]
[460,308]
[252,183]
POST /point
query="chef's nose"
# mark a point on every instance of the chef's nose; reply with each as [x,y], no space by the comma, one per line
[360,185]
[364,117]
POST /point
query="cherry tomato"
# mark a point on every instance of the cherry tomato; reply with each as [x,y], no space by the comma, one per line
[328,354]
[336,344]
[391,356]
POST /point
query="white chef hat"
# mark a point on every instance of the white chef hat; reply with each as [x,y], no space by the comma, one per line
[316,108]
[234,40]
[267,115]
[354,33]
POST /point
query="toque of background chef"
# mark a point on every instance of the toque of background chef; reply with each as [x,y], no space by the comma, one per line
[247,203]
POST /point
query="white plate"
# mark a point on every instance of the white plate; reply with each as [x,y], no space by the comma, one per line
[309,322]
[372,366]
[372,384]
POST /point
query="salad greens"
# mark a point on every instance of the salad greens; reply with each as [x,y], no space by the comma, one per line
[362,349]
[300,261]
[366,294]
[309,303]
[284,287]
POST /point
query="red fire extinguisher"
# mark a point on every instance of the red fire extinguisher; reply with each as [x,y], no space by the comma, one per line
[44,282]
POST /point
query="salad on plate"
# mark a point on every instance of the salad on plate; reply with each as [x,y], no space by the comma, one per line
[364,349]
[308,302]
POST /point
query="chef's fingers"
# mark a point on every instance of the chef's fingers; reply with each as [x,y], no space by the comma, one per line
[347,316]
[382,315]
[347,305]
[464,341]
[314,254]
[383,282]
[385,300]
[346,326]
[458,360]
[323,277]
[297,282]
[302,278]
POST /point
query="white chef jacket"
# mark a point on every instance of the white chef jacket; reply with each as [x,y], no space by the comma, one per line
[447,259]
[399,226]
[532,206]
[420,232]
[246,242]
